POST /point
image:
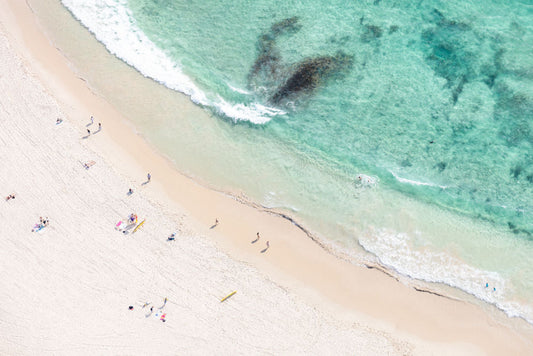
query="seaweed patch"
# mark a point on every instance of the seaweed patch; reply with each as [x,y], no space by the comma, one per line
[449,46]
[309,74]
[280,81]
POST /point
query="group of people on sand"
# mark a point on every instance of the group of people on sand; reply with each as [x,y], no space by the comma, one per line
[44,221]
[92,122]
[267,243]
[132,218]
[162,316]
[42,224]
[124,227]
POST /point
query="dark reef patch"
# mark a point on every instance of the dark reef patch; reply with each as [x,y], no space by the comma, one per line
[268,63]
[370,33]
[460,55]
[406,163]
[441,166]
[515,171]
[449,46]
[513,111]
[310,73]
[447,52]
[289,25]
[280,81]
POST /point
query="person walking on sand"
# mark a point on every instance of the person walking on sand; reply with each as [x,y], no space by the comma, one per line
[266,248]
[99,126]
[92,120]
[257,237]
[88,132]
[149,176]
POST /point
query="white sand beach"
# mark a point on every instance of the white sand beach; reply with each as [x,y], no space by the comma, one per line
[66,289]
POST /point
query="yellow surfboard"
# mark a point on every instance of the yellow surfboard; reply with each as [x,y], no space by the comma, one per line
[138,226]
[229,295]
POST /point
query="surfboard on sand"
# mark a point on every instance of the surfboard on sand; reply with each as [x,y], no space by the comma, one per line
[138,226]
[229,295]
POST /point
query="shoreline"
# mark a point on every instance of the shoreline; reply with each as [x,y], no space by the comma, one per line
[153,102]
[293,259]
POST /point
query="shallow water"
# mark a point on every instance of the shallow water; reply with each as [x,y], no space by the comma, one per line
[429,103]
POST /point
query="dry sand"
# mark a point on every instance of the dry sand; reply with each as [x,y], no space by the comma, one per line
[67,288]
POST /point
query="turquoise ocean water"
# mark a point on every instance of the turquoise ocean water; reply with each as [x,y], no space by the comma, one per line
[396,131]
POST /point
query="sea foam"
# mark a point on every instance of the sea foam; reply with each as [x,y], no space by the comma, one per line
[400,252]
[112,23]
[414,182]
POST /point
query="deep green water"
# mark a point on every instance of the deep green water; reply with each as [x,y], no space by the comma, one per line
[429,102]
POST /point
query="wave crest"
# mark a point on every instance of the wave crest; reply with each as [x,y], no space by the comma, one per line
[113,24]
[399,252]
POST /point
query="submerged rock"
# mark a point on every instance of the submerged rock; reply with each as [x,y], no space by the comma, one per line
[269,70]
[449,45]
[287,25]
[371,32]
[267,66]
[310,73]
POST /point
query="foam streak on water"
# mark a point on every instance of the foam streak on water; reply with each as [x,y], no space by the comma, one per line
[415,182]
